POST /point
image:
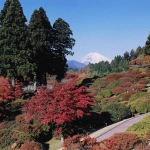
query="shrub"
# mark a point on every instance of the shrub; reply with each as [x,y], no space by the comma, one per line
[139,76]
[117,111]
[98,98]
[86,143]
[70,76]
[136,61]
[26,132]
[148,137]
[140,105]
[110,99]
[99,83]
[124,80]
[137,87]
[105,93]
[136,96]
[114,84]
[141,128]
[126,103]
[125,141]
[80,81]
[120,96]
[131,73]
[114,77]
[31,146]
[118,90]
[143,81]
[142,147]
[127,96]
[148,70]
[79,141]
[147,59]
[141,70]
[6,132]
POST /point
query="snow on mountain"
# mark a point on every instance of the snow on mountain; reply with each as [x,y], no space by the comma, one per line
[93,58]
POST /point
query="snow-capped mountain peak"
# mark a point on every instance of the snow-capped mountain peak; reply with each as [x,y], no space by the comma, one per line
[94,58]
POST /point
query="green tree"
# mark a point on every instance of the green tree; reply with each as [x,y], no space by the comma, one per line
[2,15]
[4,11]
[139,51]
[40,37]
[62,45]
[115,63]
[126,56]
[102,68]
[133,54]
[13,33]
[117,111]
[123,65]
[147,46]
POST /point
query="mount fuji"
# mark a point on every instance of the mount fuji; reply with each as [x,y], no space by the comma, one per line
[93,58]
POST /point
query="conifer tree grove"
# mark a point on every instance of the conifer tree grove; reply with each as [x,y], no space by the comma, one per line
[35,49]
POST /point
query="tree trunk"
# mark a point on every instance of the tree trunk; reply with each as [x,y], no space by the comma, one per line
[62,139]
[35,86]
[45,146]
[45,79]
[13,82]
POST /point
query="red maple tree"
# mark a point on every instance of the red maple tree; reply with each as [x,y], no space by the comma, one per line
[64,103]
[8,93]
[6,90]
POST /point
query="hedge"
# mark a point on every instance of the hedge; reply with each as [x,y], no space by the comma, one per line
[141,128]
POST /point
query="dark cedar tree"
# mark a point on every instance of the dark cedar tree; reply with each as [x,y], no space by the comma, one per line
[62,104]
[40,40]
[14,53]
[2,15]
[62,45]
[4,11]
[147,46]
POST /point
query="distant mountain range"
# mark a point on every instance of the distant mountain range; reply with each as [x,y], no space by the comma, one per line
[89,58]
[75,64]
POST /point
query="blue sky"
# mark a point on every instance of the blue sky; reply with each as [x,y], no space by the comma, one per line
[109,27]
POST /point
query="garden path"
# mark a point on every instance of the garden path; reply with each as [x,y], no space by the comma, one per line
[117,127]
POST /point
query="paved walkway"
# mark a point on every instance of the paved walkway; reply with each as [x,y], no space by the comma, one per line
[121,126]
[117,127]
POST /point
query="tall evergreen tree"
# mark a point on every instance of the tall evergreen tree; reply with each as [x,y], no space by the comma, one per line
[41,44]
[139,51]
[126,56]
[14,52]
[133,54]
[2,16]
[62,45]
[147,46]
[115,63]
[4,11]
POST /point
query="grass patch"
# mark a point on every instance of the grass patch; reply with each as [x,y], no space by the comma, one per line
[54,144]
